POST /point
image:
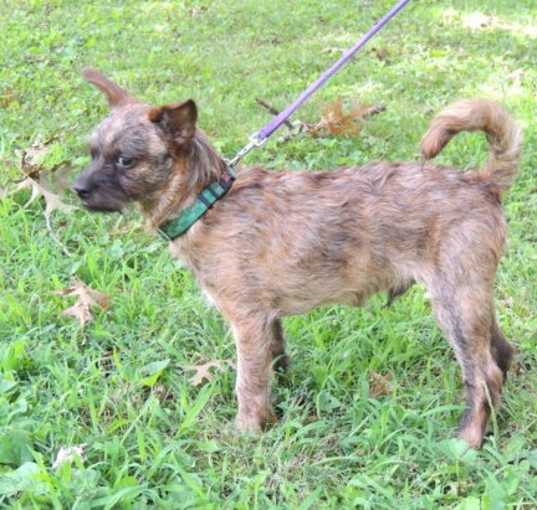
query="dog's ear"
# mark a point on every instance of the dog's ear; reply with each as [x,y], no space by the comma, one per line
[177,120]
[114,93]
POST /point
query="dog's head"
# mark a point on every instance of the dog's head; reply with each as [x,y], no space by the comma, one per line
[134,149]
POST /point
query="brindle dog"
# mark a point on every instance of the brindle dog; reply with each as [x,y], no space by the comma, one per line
[282,243]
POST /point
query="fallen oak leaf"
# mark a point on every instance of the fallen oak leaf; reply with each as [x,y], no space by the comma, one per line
[379,384]
[7,97]
[52,203]
[57,180]
[86,299]
[203,371]
[33,160]
[336,121]
[43,162]
[381,53]
[28,183]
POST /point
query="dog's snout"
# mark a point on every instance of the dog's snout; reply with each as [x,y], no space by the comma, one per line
[82,186]
[81,191]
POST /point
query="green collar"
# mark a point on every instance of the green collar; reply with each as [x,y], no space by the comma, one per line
[209,195]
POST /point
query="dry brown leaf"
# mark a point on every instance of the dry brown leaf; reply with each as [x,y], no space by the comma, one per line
[379,384]
[381,53]
[86,299]
[55,178]
[28,183]
[7,97]
[52,203]
[58,179]
[336,121]
[31,159]
[203,371]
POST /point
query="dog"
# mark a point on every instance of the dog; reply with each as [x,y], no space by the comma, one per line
[283,243]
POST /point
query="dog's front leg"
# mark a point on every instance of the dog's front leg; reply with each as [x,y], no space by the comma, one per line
[254,340]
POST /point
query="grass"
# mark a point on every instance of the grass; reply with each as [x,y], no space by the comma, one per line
[154,440]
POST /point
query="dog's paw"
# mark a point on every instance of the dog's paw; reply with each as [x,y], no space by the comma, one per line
[248,425]
[472,435]
[281,364]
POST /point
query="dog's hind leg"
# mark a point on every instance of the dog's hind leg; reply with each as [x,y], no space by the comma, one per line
[501,349]
[467,321]
[397,291]
[254,338]
[279,356]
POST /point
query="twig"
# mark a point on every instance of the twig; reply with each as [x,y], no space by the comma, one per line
[374,110]
[297,127]
[274,111]
[55,238]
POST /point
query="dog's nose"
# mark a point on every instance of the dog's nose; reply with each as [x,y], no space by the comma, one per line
[81,190]
[83,185]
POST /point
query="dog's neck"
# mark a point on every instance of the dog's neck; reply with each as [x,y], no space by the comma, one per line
[189,175]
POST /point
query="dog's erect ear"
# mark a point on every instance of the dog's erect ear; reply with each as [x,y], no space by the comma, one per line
[114,93]
[177,120]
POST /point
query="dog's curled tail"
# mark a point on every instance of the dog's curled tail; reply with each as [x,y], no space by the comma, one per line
[503,133]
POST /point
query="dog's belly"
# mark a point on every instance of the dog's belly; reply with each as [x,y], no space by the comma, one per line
[307,294]
[299,307]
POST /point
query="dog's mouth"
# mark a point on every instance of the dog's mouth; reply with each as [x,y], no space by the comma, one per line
[100,200]
[103,206]
[99,192]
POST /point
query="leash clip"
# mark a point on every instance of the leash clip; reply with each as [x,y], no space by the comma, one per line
[257,141]
[254,142]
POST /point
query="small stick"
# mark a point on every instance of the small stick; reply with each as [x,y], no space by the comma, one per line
[55,237]
[273,110]
[374,110]
[298,126]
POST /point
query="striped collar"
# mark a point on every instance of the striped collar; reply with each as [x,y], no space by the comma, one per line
[213,192]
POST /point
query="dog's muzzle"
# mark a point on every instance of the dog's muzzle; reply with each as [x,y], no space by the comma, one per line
[97,194]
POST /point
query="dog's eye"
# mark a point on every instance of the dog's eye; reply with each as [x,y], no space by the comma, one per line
[123,162]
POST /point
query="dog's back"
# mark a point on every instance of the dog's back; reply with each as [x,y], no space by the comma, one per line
[322,237]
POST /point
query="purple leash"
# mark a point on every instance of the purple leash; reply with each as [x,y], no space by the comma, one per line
[264,133]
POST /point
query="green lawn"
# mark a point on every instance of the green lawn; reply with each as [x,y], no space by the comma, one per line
[370,406]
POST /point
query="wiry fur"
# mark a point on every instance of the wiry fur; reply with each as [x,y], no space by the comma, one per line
[282,243]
